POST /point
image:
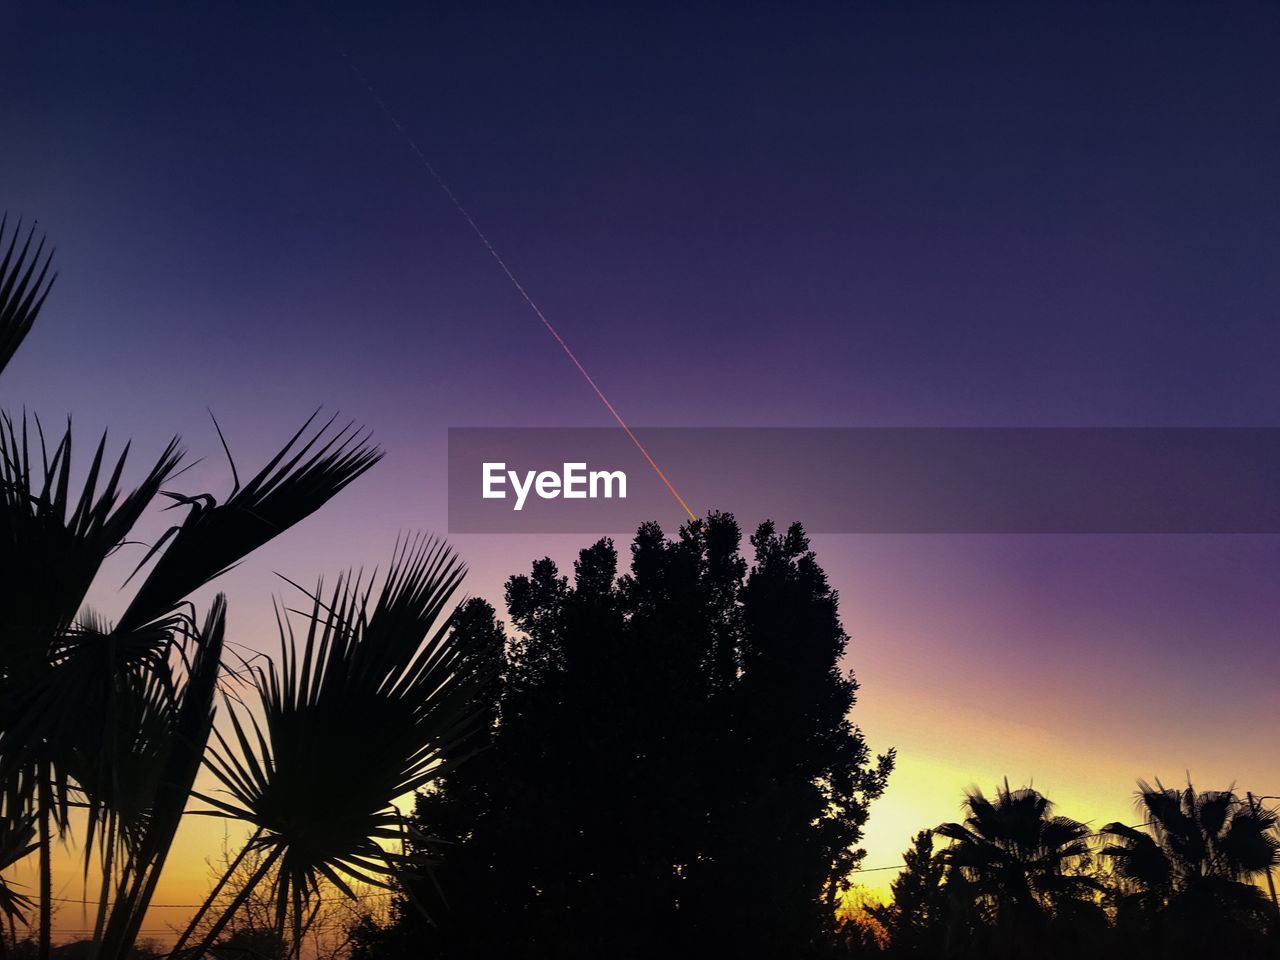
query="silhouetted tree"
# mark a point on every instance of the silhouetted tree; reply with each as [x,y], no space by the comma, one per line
[1188,881]
[369,702]
[253,931]
[916,919]
[1026,871]
[110,722]
[671,769]
[454,817]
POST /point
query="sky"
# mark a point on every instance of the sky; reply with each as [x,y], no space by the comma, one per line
[830,214]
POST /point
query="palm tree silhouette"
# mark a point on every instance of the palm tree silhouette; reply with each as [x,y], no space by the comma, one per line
[112,719]
[1019,864]
[374,705]
[1199,860]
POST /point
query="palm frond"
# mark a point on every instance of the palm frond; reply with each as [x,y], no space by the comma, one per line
[17,840]
[1137,857]
[1014,852]
[367,706]
[175,766]
[1249,845]
[24,283]
[56,543]
[115,760]
[297,481]
[1202,846]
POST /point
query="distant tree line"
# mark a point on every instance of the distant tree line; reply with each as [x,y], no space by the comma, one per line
[1013,879]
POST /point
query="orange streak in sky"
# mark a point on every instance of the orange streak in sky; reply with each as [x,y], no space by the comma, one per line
[422,158]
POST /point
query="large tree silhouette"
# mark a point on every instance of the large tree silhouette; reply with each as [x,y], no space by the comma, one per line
[671,769]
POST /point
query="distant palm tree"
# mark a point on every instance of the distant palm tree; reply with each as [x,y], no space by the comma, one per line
[1019,864]
[1201,855]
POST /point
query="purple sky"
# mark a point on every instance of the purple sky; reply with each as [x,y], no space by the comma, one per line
[850,214]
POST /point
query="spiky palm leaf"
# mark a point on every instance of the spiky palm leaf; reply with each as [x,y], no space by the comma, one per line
[114,764]
[75,695]
[366,712]
[118,717]
[24,284]
[1138,859]
[169,766]
[301,478]
[17,840]
[54,546]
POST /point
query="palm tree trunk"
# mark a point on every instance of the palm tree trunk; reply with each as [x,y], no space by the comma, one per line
[104,896]
[44,801]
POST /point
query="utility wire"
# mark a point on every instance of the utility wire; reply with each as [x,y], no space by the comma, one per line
[376,896]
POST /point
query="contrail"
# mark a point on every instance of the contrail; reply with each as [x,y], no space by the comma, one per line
[497,258]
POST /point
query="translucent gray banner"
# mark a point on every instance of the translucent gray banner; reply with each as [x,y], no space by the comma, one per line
[870,480]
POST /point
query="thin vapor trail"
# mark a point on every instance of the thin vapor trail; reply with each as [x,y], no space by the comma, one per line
[497,258]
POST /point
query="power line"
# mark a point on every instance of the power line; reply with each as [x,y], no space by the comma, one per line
[189,906]
[392,893]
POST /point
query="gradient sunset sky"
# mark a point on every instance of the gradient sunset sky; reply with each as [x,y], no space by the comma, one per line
[862,214]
